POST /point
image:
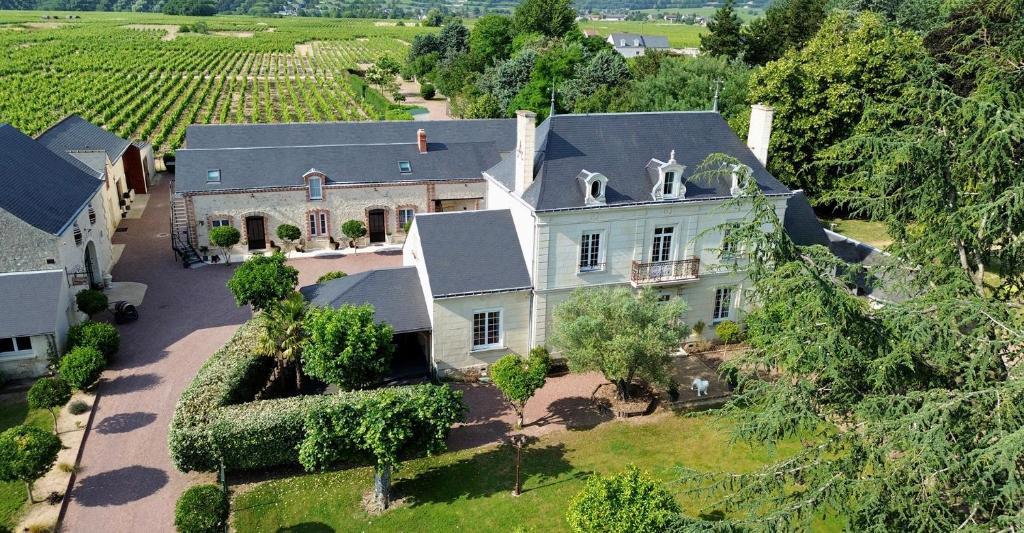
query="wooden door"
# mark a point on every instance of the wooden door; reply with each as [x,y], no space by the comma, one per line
[257,237]
[377,225]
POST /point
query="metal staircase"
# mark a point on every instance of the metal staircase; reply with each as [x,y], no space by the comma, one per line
[181,240]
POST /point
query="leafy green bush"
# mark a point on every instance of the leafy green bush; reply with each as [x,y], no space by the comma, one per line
[427,91]
[224,237]
[353,229]
[82,366]
[49,393]
[91,301]
[628,502]
[518,379]
[289,233]
[331,275]
[201,509]
[26,453]
[78,407]
[346,346]
[263,280]
[100,335]
[729,332]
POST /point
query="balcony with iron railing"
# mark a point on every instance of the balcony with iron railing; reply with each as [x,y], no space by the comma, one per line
[663,272]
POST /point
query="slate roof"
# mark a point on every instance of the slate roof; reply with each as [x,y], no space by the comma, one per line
[74,133]
[500,131]
[246,168]
[31,302]
[802,224]
[38,186]
[470,252]
[646,41]
[619,146]
[394,293]
[93,162]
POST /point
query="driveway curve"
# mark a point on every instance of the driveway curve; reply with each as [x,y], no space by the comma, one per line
[127,483]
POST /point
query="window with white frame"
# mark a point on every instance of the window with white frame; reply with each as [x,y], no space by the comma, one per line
[728,246]
[487,329]
[723,304]
[591,254]
[15,346]
[669,187]
[661,248]
[405,216]
[318,224]
[213,176]
[220,222]
[316,191]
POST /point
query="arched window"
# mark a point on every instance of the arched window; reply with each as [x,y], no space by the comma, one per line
[595,189]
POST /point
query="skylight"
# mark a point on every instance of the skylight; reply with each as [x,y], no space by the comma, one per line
[213,176]
[404,167]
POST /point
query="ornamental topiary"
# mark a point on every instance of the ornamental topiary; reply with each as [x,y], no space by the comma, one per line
[354,230]
[331,275]
[519,378]
[262,281]
[627,502]
[26,453]
[201,509]
[289,233]
[427,91]
[100,335]
[82,366]
[224,237]
[729,332]
[91,301]
[49,393]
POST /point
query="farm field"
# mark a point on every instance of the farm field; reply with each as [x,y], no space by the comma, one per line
[141,77]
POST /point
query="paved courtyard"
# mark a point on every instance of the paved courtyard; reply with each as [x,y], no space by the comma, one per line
[127,482]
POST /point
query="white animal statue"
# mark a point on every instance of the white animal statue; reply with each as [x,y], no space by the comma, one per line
[701,386]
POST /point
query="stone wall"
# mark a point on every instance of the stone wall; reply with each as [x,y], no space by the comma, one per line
[24,248]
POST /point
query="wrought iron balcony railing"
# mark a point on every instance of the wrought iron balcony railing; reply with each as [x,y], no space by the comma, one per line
[665,271]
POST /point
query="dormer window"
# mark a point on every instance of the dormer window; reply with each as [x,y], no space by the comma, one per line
[636,42]
[316,191]
[667,178]
[404,167]
[594,187]
[669,187]
[622,43]
[213,176]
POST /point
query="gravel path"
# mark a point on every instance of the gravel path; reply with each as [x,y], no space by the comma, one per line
[127,482]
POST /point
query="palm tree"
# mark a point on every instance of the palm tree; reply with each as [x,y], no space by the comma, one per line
[282,335]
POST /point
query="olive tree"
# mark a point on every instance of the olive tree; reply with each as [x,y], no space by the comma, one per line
[345,347]
[622,334]
[26,454]
[519,379]
[263,280]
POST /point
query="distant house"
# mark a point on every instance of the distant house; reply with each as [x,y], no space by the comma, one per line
[124,167]
[54,242]
[634,44]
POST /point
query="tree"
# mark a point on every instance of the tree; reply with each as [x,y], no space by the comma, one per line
[354,230]
[386,427]
[434,18]
[201,509]
[491,39]
[550,69]
[606,68]
[723,36]
[345,347]
[786,25]
[621,334]
[504,81]
[910,412]
[82,366]
[26,454]
[49,393]
[519,379]
[190,8]
[622,503]
[224,237]
[289,233]
[819,92]
[282,335]
[263,280]
[100,335]
[453,40]
[91,301]
[553,18]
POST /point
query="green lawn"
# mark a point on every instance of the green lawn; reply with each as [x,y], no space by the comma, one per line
[865,231]
[679,35]
[12,495]
[470,490]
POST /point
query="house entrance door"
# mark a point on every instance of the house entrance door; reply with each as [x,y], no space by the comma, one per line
[257,237]
[377,225]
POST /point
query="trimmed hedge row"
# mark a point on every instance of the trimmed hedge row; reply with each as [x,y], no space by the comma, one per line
[215,418]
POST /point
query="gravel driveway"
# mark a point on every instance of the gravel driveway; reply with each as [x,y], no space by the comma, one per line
[127,482]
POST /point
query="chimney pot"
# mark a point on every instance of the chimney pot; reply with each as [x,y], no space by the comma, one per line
[421,139]
[760,132]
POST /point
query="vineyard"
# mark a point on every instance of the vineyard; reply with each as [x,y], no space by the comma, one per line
[142,78]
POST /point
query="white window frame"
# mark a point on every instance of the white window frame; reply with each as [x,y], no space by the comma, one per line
[726,250]
[668,185]
[716,309]
[601,247]
[18,353]
[671,242]
[412,215]
[501,329]
[317,223]
[319,188]
[404,167]
[213,175]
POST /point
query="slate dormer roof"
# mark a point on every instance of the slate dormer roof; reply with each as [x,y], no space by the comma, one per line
[646,41]
[39,186]
[75,134]
[620,146]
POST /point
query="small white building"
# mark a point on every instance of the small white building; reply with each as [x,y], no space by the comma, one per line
[634,44]
[54,241]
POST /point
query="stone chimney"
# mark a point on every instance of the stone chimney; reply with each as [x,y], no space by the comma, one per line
[760,132]
[421,139]
[526,147]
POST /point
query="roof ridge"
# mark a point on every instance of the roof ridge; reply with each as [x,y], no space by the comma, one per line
[338,122]
[361,145]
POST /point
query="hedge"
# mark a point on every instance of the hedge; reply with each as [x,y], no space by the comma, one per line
[99,335]
[215,418]
[201,509]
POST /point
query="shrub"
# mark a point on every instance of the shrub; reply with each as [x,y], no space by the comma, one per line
[427,91]
[331,275]
[78,407]
[26,453]
[626,502]
[201,509]
[354,229]
[263,280]
[224,237]
[729,332]
[346,347]
[519,379]
[289,233]
[82,366]
[100,335]
[49,393]
[91,301]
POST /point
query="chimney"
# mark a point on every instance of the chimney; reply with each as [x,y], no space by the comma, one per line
[421,138]
[760,132]
[526,141]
